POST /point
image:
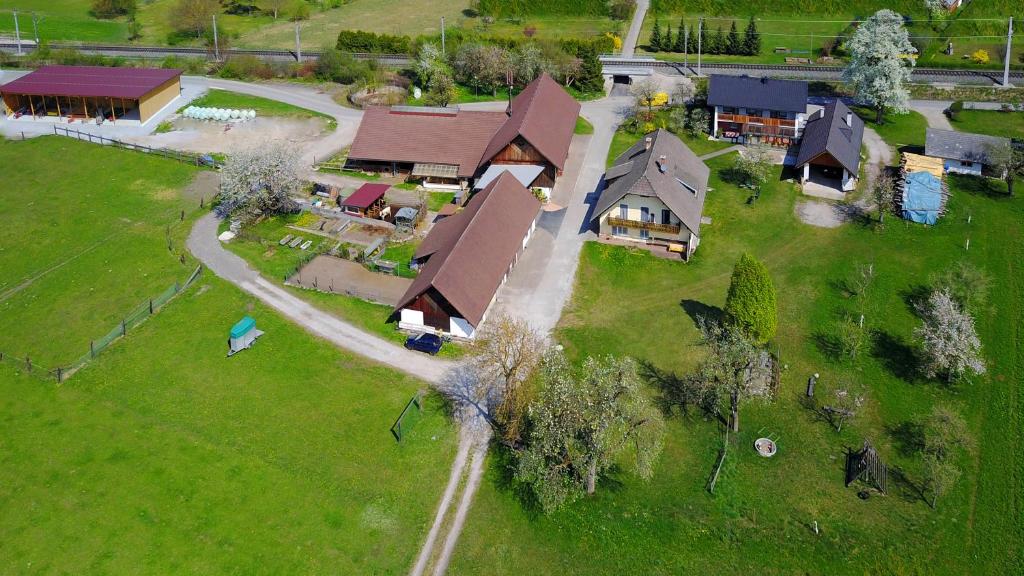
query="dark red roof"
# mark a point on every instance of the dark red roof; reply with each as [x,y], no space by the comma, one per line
[397,135]
[91,81]
[470,252]
[544,114]
[366,195]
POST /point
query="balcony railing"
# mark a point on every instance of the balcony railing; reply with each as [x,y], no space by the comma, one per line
[744,119]
[653,226]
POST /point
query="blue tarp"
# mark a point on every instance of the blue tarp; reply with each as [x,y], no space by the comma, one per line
[922,197]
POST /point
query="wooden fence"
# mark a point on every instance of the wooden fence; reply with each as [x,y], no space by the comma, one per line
[184,157]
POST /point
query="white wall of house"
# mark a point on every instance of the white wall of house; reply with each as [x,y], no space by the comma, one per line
[634,205]
[461,328]
[849,180]
[959,167]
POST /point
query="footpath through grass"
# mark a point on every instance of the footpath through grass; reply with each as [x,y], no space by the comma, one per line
[760,519]
[87,231]
[164,456]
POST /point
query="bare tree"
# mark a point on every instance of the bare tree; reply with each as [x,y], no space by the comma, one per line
[273,6]
[1008,160]
[684,91]
[733,372]
[506,351]
[939,476]
[950,342]
[847,400]
[883,190]
[945,435]
[194,17]
[259,182]
[644,93]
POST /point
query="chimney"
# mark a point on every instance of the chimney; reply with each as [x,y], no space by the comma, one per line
[647,143]
[849,119]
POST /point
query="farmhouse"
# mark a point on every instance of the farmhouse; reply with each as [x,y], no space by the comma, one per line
[450,147]
[467,257]
[751,110]
[961,152]
[85,93]
[830,150]
[655,195]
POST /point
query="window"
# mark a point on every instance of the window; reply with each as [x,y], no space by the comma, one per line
[728,110]
[619,231]
[966,163]
[666,216]
[624,211]
[644,234]
[753,112]
[645,214]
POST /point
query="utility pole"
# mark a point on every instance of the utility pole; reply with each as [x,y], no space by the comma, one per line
[216,45]
[442,35]
[686,45]
[298,45]
[1009,54]
[17,32]
[700,34]
[35,28]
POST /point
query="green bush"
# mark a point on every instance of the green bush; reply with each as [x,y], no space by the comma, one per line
[751,302]
[360,41]
[520,8]
[112,8]
[336,66]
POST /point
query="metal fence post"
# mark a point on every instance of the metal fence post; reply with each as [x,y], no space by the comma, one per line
[92,349]
[150,305]
[124,329]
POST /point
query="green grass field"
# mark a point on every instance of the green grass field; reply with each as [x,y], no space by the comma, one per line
[993,123]
[60,20]
[87,229]
[263,106]
[583,126]
[760,519]
[898,130]
[164,456]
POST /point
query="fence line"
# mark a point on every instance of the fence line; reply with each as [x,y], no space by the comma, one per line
[184,157]
[131,320]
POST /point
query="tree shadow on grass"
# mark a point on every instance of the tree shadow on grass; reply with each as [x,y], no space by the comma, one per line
[676,397]
[904,487]
[979,186]
[914,296]
[696,310]
[897,355]
[503,460]
[828,344]
[908,437]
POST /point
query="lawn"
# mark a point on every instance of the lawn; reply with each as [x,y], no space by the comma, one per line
[60,20]
[993,123]
[583,126]
[263,106]
[85,244]
[438,199]
[760,519]
[164,456]
[898,130]
[402,254]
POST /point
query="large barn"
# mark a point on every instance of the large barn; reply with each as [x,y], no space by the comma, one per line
[467,257]
[451,147]
[87,93]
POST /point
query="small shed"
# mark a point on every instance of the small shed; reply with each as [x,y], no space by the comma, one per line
[242,336]
[406,216]
[366,202]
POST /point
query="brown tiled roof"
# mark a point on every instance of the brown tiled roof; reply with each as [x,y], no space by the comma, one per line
[91,81]
[398,135]
[470,252]
[544,114]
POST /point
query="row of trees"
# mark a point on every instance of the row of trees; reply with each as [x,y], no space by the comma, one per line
[691,39]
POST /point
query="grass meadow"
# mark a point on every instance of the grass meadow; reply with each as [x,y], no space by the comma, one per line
[993,123]
[88,230]
[760,519]
[163,455]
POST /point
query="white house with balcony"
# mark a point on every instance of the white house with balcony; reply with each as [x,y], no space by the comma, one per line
[654,196]
[749,110]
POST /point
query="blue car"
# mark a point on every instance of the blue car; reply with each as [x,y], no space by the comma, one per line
[424,342]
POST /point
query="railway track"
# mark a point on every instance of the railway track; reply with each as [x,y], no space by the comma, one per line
[797,68]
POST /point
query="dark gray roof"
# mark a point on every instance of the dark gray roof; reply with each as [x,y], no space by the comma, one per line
[759,93]
[953,145]
[827,131]
[680,181]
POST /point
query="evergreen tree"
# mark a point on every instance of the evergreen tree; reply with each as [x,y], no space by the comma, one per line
[732,41]
[751,39]
[717,43]
[590,77]
[655,41]
[666,41]
[751,302]
[691,42]
[681,33]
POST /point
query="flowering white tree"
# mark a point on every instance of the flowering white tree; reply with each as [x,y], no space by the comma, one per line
[430,62]
[880,63]
[950,342]
[259,181]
